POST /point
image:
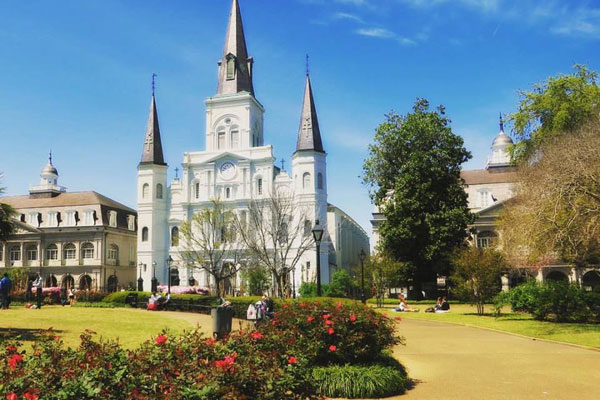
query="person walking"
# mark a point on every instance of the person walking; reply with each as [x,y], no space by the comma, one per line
[37,284]
[5,288]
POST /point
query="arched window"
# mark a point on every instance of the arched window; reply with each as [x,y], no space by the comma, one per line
[227,193]
[175,277]
[197,190]
[230,68]
[113,252]
[112,284]
[85,282]
[32,252]
[221,140]
[320,180]
[69,252]
[306,180]
[15,253]
[486,239]
[51,281]
[307,228]
[145,190]
[175,236]
[159,191]
[144,234]
[259,186]
[68,282]
[235,138]
[87,250]
[52,252]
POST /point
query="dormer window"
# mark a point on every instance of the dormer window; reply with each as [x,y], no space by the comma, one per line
[112,218]
[230,67]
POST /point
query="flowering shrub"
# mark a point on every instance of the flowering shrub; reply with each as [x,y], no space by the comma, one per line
[184,289]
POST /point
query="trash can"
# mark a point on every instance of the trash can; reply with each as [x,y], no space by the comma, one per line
[221,317]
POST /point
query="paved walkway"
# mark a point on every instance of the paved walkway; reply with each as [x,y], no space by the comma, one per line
[456,362]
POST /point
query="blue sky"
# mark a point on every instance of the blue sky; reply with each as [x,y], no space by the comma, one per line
[75,76]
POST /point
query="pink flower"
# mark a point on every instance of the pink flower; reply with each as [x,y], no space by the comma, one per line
[226,364]
[256,335]
[160,340]
[330,331]
[31,396]
[338,305]
[310,318]
[352,318]
[11,396]
[326,316]
[328,322]
[292,360]
[14,360]
[332,348]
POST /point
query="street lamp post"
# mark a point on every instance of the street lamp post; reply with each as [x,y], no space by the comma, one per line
[154,282]
[140,280]
[318,235]
[294,282]
[362,256]
[169,261]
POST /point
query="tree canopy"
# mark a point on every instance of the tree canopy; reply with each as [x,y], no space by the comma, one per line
[6,215]
[413,174]
[553,108]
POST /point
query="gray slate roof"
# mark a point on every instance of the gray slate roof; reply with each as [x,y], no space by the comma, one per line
[152,152]
[309,134]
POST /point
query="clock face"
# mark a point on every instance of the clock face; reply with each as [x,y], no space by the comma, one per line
[227,170]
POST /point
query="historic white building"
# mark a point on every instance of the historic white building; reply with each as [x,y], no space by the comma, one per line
[237,167]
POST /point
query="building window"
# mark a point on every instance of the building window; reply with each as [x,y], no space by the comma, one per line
[144,234]
[32,219]
[112,218]
[320,180]
[484,197]
[486,239]
[15,253]
[197,190]
[230,68]
[1,252]
[221,140]
[52,219]
[70,218]
[69,252]
[235,138]
[227,193]
[259,187]
[32,253]
[52,252]
[307,228]
[175,236]
[113,252]
[159,191]
[305,180]
[88,217]
[87,250]
[145,190]
[131,222]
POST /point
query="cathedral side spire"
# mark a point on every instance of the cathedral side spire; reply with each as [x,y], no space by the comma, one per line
[152,152]
[309,135]
[235,68]
[501,123]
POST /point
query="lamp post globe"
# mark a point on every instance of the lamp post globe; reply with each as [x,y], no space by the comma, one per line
[317,232]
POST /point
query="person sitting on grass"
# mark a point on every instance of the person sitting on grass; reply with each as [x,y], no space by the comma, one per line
[403,306]
[153,301]
[444,307]
[162,301]
[437,306]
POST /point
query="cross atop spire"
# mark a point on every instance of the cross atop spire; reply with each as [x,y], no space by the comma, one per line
[235,67]
[152,152]
[309,134]
[501,123]
[307,66]
[50,157]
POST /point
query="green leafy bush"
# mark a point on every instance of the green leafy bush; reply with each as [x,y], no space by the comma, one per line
[360,381]
[309,289]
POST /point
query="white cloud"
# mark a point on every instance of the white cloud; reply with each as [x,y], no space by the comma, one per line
[381,33]
[354,2]
[348,16]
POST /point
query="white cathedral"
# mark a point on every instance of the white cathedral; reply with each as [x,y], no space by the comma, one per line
[237,167]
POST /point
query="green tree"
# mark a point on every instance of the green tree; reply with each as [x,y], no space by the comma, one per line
[555,107]
[383,273]
[413,174]
[256,279]
[476,275]
[340,284]
[6,215]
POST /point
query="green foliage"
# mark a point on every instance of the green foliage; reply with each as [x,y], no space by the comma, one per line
[553,301]
[256,279]
[555,107]
[7,214]
[413,173]
[19,277]
[477,275]
[360,381]
[341,284]
[309,289]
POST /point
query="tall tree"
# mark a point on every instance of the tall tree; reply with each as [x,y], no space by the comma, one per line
[553,108]
[413,174]
[275,234]
[556,215]
[6,215]
[208,242]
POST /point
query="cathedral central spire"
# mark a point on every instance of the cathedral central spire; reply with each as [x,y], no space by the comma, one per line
[235,67]
[152,152]
[309,134]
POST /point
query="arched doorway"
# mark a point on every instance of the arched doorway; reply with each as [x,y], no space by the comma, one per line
[174,277]
[591,280]
[51,281]
[557,276]
[85,282]
[112,283]
[68,282]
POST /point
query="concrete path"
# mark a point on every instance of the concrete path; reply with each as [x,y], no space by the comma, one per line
[456,362]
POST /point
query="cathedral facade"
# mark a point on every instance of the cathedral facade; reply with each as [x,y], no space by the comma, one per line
[237,167]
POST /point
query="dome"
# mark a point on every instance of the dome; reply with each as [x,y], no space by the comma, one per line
[49,169]
[502,139]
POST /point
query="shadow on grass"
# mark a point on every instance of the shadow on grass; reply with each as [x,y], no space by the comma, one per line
[24,334]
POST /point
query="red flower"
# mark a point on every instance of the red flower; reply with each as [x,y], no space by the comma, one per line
[330,331]
[328,322]
[11,396]
[310,318]
[210,341]
[256,335]
[226,364]
[338,305]
[352,318]
[11,349]
[274,322]
[285,306]
[326,316]
[14,360]
[302,305]
[332,347]
[56,338]
[398,318]
[31,396]
[292,360]
[160,340]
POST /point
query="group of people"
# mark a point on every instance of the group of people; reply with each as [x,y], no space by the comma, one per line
[441,306]
[262,309]
[158,302]
[6,290]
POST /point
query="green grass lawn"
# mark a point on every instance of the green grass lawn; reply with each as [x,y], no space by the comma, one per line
[130,326]
[522,324]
